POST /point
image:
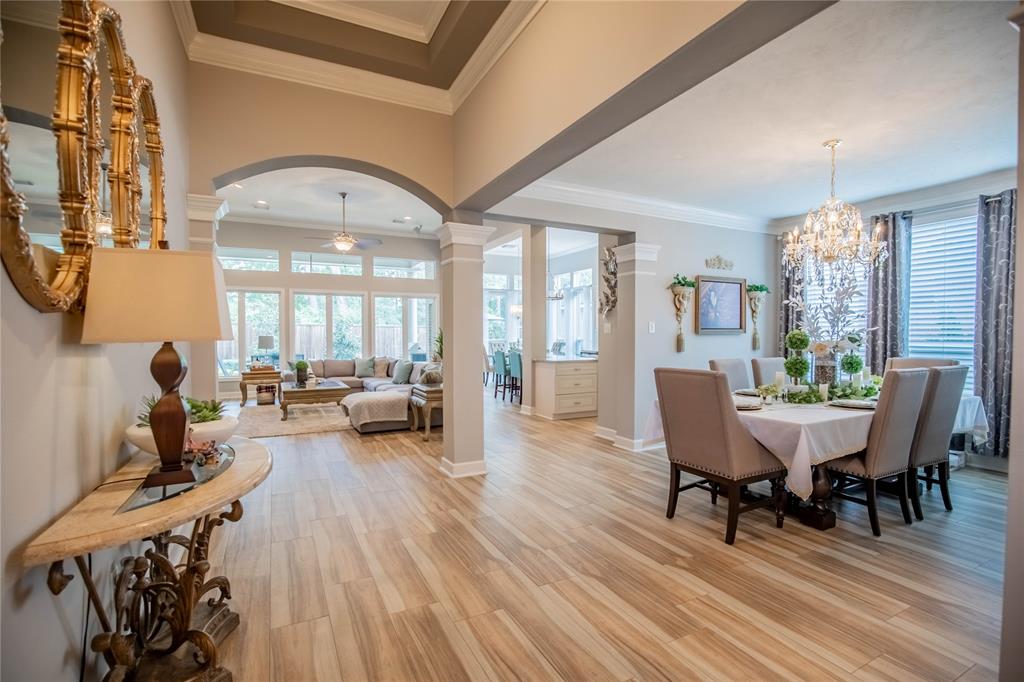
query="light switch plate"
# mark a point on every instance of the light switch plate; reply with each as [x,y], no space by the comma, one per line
[650,327]
[607,327]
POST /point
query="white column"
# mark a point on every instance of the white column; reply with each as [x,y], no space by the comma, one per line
[535,312]
[204,213]
[462,318]
[608,357]
[634,380]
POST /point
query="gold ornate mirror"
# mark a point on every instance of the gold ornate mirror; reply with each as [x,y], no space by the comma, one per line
[103,117]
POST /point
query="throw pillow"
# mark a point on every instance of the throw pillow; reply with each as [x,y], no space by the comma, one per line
[403,370]
[364,367]
[431,376]
[380,367]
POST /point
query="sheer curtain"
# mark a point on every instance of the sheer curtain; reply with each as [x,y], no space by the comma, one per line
[993,320]
[888,293]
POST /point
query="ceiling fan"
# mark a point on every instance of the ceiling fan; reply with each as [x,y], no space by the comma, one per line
[343,241]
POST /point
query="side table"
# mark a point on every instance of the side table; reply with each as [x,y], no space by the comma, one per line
[256,377]
[424,398]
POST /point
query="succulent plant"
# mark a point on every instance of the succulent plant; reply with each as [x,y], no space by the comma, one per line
[202,410]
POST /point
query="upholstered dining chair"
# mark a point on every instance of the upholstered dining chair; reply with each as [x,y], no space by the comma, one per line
[488,365]
[500,373]
[515,372]
[934,427]
[736,371]
[765,369]
[889,441]
[918,363]
[704,437]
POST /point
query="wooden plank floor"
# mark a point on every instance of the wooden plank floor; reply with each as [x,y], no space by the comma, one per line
[358,560]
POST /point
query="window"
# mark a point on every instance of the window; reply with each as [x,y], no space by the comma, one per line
[400,322]
[234,258]
[495,313]
[495,281]
[572,319]
[943,280]
[403,268]
[327,263]
[347,327]
[815,294]
[310,326]
[583,278]
[228,364]
[253,314]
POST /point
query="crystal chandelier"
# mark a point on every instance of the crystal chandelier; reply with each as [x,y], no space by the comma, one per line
[833,238]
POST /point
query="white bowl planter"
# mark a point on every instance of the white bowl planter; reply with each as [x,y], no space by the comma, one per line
[217,431]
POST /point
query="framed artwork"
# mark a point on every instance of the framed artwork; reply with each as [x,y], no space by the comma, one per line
[721,305]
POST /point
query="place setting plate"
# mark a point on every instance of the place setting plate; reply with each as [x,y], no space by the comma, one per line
[852,404]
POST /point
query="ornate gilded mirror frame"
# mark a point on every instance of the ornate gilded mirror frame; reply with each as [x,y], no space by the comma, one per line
[85,26]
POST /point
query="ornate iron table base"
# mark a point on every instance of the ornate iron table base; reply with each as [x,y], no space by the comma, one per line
[160,606]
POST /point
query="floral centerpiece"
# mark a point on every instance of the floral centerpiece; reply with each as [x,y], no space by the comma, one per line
[756,295]
[682,293]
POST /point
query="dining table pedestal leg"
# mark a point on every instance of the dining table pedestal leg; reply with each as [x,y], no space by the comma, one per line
[818,514]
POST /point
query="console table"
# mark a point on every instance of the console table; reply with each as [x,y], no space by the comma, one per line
[257,377]
[160,601]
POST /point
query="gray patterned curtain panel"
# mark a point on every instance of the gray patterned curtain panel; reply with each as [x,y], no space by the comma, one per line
[993,317]
[790,289]
[889,293]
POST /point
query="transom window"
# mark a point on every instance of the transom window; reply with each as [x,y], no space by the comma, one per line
[236,258]
[403,268]
[327,263]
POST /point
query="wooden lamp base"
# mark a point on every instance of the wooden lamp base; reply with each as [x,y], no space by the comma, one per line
[169,419]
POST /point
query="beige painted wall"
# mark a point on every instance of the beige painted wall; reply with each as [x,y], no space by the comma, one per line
[572,57]
[66,405]
[239,118]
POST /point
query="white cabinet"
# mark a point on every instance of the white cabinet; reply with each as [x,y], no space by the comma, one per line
[565,389]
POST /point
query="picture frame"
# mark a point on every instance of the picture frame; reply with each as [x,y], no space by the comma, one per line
[721,305]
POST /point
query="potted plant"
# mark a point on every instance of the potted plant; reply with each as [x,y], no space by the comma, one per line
[439,346]
[301,372]
[207,424]
[682,293]
[796,364]
[756,295]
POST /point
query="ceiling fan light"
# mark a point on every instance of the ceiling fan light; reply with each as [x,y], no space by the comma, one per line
[344,242]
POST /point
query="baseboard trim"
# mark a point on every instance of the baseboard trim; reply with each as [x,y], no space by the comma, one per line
[605,433]
[988,463]
[526,410]
[476,467]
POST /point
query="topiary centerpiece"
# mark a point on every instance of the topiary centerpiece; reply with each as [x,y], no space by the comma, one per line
[851,364]
[796,364]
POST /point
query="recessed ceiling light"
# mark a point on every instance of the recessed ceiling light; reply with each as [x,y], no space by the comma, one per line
[236,185]
[260,203]
[408,217]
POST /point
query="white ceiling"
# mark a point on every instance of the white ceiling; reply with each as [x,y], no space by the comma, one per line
[308,197]
[920,92]
[562,242]
[412,19]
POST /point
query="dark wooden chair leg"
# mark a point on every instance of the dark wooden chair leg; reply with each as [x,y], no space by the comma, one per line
[734,514]
[944,485]
[901,483]
[714,493]
[870,485]
[673,491]
[495,384]
[779,493]
[915,493]
[929,472]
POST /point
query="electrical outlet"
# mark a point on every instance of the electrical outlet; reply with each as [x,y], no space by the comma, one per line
[650,327]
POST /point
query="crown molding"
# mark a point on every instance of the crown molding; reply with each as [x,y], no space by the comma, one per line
[368,18]
[206,208]
[262,61]
[622,202]
[460,233]
[181,10]
[516,17]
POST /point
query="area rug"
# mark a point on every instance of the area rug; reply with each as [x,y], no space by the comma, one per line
[263,421]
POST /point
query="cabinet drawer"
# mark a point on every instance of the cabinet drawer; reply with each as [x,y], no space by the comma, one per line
[583,402]
[573,368]
[581,383]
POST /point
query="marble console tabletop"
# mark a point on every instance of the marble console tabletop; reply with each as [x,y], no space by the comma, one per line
[92,524]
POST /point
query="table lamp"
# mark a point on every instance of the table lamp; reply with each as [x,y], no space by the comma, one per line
[265,343]
[142,296]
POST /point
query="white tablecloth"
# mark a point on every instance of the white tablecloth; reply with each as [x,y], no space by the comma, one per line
[971,418]
[799,435]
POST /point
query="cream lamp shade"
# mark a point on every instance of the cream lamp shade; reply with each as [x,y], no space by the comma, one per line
[266,343]
[143,295]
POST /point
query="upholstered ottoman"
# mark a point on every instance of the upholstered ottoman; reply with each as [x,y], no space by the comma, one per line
[377,411]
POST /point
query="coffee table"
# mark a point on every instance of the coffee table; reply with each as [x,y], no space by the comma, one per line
[328,391]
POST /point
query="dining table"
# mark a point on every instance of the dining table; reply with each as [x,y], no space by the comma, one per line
[805,437]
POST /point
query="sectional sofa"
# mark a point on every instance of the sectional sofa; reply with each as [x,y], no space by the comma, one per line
[345,370]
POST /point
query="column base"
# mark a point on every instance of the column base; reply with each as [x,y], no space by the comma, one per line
[476,467]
